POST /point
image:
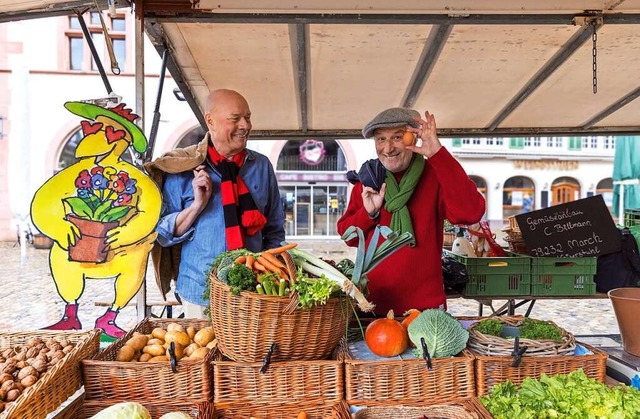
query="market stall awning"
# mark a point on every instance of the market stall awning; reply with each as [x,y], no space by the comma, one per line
[493,68]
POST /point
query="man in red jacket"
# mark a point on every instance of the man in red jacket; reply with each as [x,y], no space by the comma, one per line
[423,185]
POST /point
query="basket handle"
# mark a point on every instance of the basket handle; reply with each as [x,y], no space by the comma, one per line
[267,359]
[518,352]
[497,264]
[172,357]
[425,353]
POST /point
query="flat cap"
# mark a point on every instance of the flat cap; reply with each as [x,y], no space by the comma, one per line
[392,117]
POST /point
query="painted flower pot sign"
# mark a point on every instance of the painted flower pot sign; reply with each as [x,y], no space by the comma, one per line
[92,245]
[103,199]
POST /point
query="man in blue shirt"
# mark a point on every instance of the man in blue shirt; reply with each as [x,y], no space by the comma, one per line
[217,196]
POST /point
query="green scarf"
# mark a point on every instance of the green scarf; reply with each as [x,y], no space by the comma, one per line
[397,196]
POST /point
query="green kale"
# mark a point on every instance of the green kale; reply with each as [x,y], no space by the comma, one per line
[491,327]
[241,278]
[539,330]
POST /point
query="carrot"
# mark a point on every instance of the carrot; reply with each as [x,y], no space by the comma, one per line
[241,259]
[270,266]
[250,260]
[258,267]
[281,249]
[274,260]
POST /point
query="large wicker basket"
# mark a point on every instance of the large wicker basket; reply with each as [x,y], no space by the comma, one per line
[281,391]
[57,384]
[407,381]
[463,409]
[107,381]
[246,325]
[493,370]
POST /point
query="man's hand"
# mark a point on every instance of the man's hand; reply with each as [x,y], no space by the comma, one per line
[427,132]
[202,187]
[372,199]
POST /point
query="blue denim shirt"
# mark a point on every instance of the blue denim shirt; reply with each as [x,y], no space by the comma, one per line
[206,238]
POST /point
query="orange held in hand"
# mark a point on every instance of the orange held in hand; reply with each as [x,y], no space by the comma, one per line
[386,337]
[409,138]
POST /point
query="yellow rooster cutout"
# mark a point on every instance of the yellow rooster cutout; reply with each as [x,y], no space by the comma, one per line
[101,213]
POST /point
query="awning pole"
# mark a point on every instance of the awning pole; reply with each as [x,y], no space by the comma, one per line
[622,184]
[156,111]
[94,53]
[141,303]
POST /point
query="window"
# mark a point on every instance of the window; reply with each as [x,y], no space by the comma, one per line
[80,58]
[537,141]
[527,142]
[466,141]
[609,142]
[590,142]
[476,141]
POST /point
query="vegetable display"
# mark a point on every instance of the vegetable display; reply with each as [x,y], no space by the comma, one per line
[572,396]
[443,333]
[189,344]
[124,410]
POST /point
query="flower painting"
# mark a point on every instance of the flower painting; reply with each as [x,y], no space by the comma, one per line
[103,194]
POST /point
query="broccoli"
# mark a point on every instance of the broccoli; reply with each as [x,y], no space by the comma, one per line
[241,278]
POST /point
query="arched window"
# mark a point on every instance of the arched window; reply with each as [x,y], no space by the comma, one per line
[605,188]
[517,196]
[68,153]
[564,189]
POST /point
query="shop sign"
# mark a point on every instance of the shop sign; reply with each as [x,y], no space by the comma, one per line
[546,164]
[576,229]
[311,177]
[312,152]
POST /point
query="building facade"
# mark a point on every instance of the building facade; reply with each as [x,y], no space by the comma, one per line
[46,62]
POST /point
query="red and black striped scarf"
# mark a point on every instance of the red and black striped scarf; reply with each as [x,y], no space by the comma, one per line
[241,216]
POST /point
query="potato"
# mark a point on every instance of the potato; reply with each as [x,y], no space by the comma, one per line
[189,349]
[199,353]
[158,333]
[179,351]
[191,331]
[154,350]
[175,327]
[155,341]
[125,354]
[212,344]
[145,357]
[137,342]
[160,358]
[204,336]
[179,337]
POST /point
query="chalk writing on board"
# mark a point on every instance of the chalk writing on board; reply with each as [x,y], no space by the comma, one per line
[576,229]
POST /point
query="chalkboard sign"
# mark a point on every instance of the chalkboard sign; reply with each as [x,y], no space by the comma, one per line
[302,218]
[576,229]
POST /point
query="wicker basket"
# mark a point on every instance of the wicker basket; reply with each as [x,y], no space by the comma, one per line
[57,384]
[246,326]
[283,390]
[408,382]
[482,344]
[107,381]
[272,411]
[463,409]
[203,410]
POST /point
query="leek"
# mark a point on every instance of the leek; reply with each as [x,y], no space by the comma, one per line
[319,267]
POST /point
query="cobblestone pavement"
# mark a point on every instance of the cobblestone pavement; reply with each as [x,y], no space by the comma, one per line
[30,301]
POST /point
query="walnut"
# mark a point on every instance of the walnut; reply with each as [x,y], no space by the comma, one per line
[13,394]
[32,352]
[27,371]
[29,380]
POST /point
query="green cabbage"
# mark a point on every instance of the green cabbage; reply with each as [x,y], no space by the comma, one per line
[443,333]
[126,410]
[175,415]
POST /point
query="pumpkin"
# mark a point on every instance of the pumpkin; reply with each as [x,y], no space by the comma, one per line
[386,337]
[409,316]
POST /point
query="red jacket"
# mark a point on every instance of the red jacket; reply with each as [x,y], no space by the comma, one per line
[412,277]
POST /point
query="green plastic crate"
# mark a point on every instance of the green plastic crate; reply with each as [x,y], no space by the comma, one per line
[563,276]
[631,217]
[496,276]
